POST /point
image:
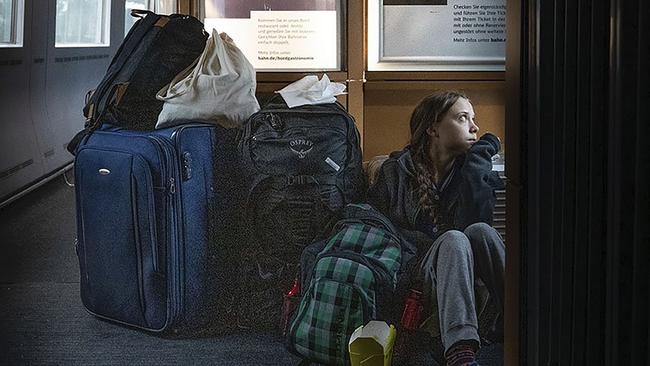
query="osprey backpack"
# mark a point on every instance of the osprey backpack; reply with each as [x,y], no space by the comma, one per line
[300,167]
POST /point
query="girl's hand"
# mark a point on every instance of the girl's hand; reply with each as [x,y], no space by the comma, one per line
[490,133]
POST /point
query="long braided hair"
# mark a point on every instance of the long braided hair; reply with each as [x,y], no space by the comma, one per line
[429,111]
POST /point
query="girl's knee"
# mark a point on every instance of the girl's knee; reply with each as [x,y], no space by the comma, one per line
[454,241]
[479,229]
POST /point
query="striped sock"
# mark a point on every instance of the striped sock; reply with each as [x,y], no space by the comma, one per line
[461,355]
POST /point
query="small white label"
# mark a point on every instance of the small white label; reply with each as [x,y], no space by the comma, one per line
[332,164]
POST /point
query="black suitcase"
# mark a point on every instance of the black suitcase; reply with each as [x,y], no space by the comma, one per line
[153,225]
[155,50]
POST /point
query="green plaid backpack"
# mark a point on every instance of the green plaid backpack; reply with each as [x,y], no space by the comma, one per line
[350,282]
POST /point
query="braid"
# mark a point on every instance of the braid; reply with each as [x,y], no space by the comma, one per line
[424,183]
[424,189]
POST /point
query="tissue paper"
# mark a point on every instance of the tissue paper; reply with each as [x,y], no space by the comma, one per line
[310,90]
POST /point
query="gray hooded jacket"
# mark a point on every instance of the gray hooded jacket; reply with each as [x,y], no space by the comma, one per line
[466,197]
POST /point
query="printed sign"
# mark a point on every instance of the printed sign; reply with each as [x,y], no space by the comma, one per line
[285,40]
[452,33]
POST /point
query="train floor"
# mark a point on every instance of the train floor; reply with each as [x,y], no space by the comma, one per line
[42,320]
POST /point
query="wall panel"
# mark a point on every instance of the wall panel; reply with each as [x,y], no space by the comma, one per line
[388,106]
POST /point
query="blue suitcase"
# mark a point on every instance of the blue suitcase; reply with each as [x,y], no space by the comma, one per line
[150,214]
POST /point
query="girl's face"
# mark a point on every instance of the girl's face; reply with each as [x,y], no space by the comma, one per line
[457,130]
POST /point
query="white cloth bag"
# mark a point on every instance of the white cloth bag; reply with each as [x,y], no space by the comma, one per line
[218,87]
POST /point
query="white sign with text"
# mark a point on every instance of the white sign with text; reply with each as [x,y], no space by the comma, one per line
[285,40]
[452,35]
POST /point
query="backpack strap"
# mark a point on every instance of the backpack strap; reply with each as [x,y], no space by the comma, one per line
[284,181]
[90,126]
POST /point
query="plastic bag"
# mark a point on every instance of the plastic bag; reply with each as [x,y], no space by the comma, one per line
[218,87]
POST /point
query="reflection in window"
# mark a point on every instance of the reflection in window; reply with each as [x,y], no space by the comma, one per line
[157,6]
[82,23]
[11,23]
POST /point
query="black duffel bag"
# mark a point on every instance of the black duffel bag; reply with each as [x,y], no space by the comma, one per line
[155,50]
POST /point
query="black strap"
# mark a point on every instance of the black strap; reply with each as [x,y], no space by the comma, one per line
[78,138]
[92,124]
[140,13]
[281,182]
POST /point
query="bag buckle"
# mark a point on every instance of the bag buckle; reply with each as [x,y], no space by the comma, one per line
[296,180]
[275,121]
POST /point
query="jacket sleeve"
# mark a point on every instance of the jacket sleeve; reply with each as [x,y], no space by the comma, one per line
[477,197]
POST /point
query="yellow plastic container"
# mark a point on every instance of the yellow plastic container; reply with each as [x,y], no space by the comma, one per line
[372,344]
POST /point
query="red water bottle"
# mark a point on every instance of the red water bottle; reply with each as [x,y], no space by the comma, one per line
[289,305]
[413,308]
[410,322]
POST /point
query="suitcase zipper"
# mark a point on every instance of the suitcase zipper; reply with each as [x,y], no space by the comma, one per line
[175,244]
[163,179]
[152,218]
[173,141]
[172,186]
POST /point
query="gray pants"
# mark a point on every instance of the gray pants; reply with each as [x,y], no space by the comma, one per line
[448,271]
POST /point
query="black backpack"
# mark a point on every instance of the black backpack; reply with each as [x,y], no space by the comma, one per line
[155,50]
[301,167]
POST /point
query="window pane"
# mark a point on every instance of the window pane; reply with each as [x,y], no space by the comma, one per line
[12,13]
[128,19]
[165,6]
[81,22]
[6,20]
[157,6]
